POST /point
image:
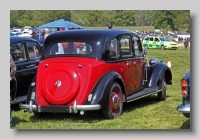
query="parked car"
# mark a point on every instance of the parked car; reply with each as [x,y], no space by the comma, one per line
[159,43]
[108,72]
[26,54]
[185,93]
[175,38]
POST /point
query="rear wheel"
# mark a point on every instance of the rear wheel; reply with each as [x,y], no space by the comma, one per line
[162,93]
[115,106]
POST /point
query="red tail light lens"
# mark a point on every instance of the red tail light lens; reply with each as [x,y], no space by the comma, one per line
[184,87]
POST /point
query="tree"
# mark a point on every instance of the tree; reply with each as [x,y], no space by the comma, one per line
[14,16]
[98,18]
[172,19]
[52,15]
[124,18]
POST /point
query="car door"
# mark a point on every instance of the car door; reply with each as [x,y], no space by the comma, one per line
[154,42]
[151,39]
[127,64]
[26,61]
[139,64]
[157,42]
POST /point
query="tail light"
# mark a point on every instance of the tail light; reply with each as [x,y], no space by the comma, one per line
[184,88]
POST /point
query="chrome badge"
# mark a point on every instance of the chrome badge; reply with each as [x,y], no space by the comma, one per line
[58,83]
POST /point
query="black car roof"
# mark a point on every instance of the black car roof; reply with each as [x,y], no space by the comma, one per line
[17,38]
[86,34]
[83,35]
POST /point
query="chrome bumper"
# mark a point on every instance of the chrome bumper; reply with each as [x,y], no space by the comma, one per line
[184,108]
[72,109]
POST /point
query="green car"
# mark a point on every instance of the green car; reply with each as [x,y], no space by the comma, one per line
[159,43]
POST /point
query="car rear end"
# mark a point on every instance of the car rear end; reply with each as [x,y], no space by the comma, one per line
[184,108]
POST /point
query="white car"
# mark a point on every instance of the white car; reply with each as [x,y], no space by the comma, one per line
[25,34]
[175,38]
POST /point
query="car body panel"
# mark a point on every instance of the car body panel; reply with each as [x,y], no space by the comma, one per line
[26,63]
[84,80]
[184,108]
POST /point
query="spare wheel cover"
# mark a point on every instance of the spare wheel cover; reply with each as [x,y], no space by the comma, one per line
[60,86]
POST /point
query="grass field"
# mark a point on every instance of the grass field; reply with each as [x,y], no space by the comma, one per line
[146,113]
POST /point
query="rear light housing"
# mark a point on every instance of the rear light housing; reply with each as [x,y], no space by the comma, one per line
[184,88]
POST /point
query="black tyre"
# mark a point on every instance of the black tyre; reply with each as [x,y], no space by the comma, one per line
[162,94]
[115,106]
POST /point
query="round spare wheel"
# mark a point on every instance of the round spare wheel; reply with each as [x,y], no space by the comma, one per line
[61,86]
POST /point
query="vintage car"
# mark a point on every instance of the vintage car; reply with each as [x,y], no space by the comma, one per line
[159,43]
[184,108]
[26,54]
[109,71]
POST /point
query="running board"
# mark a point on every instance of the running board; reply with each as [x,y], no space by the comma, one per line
[143,93]
[19,99]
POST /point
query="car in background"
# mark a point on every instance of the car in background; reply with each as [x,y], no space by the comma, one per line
[184,108]
[159,43]
[111,69]
[175,38]
[27,55]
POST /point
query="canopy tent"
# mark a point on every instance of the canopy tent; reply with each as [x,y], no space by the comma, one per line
[61,23]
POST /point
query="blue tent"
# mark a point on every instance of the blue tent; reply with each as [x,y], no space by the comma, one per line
[61,23]
[11,34]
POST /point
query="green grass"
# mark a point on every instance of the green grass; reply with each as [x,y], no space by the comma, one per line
[145,113]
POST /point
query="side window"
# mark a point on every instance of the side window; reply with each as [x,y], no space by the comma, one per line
[113,48]
[136,45]
[151,39]
[126,50]
[18,52]
[156,39]
[33,51]
[146,39]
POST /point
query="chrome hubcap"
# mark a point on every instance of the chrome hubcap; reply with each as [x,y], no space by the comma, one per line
[115,101]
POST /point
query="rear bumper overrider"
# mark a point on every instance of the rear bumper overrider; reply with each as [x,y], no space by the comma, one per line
[184,108]
[68,109]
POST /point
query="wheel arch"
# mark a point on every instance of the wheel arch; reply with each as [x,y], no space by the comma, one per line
[156,73]
[100,93]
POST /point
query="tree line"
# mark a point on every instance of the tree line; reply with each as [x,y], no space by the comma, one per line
[160,19]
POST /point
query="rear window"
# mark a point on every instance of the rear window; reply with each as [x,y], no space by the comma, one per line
[71,48]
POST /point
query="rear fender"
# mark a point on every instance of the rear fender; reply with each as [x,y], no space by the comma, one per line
[156,73]
[100,93]
[32,88]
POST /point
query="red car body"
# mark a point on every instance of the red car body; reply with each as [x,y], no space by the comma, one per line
[110,70]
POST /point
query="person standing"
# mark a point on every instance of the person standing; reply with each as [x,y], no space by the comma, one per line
[186,43]
[13,69]
[110,26]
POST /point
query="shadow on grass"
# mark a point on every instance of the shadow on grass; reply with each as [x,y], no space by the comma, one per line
[15,107]
[186,125]
[94,116]
[149,100]
[16,120]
